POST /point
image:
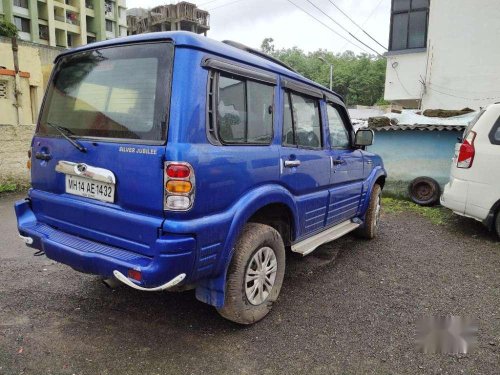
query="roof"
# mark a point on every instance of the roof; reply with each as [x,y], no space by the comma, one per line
[192,40]
[421,127]
[412,120]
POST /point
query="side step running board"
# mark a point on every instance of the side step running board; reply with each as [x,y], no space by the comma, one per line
[310,244]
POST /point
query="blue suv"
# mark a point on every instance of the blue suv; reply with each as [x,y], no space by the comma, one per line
[172,161]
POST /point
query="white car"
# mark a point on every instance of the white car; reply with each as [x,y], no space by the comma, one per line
[474,187]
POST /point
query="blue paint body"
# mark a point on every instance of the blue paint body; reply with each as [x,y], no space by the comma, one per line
[409,154]
[232,184]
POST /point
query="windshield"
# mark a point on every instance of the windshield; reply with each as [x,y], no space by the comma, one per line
[119,92]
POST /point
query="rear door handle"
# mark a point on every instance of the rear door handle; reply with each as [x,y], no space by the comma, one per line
[291,163]
[43,156]
[337,162]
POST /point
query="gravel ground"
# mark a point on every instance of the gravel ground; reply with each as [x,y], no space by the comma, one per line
[350,307]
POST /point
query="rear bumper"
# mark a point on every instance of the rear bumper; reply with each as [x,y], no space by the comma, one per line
[175,254]
[454,195]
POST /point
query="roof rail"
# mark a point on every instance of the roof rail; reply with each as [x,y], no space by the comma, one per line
[258,53]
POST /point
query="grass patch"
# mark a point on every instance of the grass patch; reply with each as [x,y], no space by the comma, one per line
[437,215]
[13,186]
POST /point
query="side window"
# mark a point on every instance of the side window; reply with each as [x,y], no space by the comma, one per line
[496,136]
[495,133]
[301,122]
[244,111]
[339,137]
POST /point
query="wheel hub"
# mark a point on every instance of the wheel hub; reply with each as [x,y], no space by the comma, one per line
[260,275]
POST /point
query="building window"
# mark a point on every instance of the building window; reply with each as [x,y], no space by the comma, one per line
[244,111]
[409,23]
[89,4]
[109,25]
[3,89]
[91,39]
[108,7]
[21,3]
[22,24]
[43,32]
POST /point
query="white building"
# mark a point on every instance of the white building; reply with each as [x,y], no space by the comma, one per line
[445,54]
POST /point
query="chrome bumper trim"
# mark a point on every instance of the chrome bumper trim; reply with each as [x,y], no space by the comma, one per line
[124,279]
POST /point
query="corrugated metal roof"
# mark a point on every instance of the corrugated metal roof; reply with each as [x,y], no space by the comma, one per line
[421,127]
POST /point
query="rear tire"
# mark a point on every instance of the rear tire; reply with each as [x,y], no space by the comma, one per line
[255,275]
[497,224]
[372,219]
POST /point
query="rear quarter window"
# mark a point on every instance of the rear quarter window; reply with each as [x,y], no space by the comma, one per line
[495,133]
[244,111]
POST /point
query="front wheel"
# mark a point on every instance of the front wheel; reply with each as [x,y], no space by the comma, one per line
[372,218]
[255,274]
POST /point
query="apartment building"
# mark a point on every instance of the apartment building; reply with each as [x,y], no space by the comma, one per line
[66,23]
[181,16]
[443,54]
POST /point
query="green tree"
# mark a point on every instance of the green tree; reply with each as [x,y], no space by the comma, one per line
[358,78]
[8,29]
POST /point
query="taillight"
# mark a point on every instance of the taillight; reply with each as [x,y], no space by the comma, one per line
[178,171]
[467,151]
[179,186]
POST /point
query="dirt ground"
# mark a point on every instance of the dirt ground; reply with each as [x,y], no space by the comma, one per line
[349,308]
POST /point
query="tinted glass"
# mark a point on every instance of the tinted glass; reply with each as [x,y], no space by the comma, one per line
[418,27]
[496,135]
[399,31]
[118,92]
[260,114]
[418,4]
[307,121]
[400,5]
[339,137]
[244,111]
[287,123]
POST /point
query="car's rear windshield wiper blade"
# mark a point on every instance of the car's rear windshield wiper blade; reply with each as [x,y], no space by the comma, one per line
[64,132]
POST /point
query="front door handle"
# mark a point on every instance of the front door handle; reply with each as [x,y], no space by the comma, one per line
[337,162]
[292,163]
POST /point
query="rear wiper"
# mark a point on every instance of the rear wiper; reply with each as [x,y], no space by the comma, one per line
[64,132]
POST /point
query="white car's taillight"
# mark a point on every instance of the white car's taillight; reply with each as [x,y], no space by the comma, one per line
[179,184]
[467,151]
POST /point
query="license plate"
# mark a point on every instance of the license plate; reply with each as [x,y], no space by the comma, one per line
[88,188]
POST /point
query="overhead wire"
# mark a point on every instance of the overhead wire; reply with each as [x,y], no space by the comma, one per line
[361,28]
[369,17]
[328,27]
[343,28]
[224,5]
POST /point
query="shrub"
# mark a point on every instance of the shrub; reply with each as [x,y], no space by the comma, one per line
[8,29]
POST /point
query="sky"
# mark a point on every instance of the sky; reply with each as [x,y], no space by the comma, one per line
[250,21]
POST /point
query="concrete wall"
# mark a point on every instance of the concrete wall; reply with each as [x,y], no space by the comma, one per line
[409,154]
[18,115]
[460,67]
[402,81]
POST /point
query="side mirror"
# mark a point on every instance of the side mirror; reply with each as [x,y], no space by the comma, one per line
[364,137]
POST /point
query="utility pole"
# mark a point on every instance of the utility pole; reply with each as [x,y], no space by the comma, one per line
[331,71]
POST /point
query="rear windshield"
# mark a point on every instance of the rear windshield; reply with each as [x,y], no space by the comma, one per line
[473,122]
[119,92]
